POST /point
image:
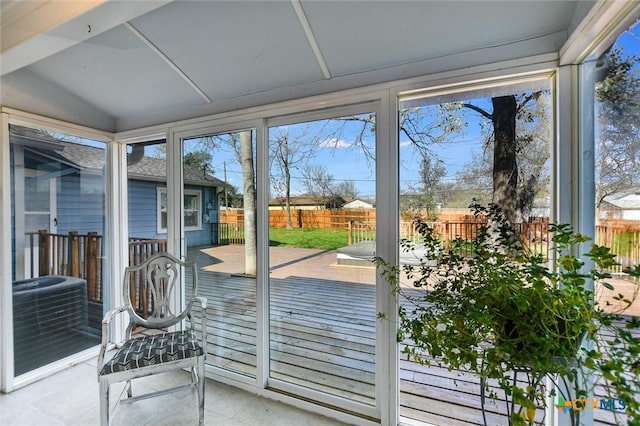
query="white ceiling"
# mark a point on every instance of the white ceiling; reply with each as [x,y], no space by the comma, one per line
[117,65]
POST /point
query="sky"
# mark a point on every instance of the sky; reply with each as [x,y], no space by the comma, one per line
[341,156]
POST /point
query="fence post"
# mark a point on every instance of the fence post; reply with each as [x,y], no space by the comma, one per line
[43,252]
[74,254]
[350,238]
[92,257]
[447,238]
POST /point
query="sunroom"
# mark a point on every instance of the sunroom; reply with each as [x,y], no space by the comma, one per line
[131,127]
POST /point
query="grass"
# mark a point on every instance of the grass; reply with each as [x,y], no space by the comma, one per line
[323,239]
[625,240]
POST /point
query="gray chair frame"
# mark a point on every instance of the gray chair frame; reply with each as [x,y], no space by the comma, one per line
[162,273]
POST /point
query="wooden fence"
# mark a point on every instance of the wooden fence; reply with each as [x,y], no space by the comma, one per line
[324,218]
[623,237]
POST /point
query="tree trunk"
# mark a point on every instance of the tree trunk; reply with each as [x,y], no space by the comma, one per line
[287,195]
[249,195]
[505,165]
[287,182]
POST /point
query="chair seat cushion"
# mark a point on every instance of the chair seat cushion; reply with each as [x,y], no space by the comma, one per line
[152,350]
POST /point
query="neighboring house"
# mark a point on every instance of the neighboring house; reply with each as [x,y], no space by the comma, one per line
[148,192]
[309,202]
[624,205]
[302,202]
[357,204]
[69,177]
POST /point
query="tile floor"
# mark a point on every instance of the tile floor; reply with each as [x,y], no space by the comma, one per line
[71,398]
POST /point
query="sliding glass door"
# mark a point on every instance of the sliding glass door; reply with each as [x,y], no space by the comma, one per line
[219,234]
[58,245]
[486,145]
[322,239]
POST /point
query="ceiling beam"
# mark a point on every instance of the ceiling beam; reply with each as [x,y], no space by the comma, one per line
[32,31]
[24,20]
[168,61]
[304,22]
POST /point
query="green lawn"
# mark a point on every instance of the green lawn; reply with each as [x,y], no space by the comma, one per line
[625,239]
[324,239]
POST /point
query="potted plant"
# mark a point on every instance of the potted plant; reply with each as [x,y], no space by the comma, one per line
[506,308]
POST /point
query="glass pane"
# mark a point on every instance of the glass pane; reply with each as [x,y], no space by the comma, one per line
[36,196]
[491,145]
[147,213]
[617,174]
[221,168]
[163,201]
[191,202]
[58,247]
[618,162]
[163,220]
[322,233]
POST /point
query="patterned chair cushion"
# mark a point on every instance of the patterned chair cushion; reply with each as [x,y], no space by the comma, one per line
[152,350]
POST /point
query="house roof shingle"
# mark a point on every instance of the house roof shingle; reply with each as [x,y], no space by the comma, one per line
[93,158]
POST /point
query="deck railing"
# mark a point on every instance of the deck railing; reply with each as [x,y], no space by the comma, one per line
[228,233]
[623,238]
[71,254]
[81,256]
[534,235]
[140,249]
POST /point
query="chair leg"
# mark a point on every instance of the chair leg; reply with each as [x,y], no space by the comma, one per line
[200,374]
[104,402]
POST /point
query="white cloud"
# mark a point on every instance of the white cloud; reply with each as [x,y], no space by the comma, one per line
[335,143]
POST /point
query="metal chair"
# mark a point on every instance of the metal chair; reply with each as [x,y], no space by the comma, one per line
[165,351]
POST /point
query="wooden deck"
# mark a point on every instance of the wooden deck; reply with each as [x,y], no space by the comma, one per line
[323,337]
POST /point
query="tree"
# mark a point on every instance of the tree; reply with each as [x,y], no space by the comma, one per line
[346,188]
[234,198]
[317,180]
[428,193]
[511,123]
[618,120]
[319,183]
[241,144]
[514,124]
[515,159]
[199,159]
[288,152]
[248,179]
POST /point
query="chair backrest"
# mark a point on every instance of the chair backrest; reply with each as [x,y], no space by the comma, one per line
[157,280]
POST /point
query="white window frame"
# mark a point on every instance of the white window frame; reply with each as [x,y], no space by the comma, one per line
[8,381]
[163,190]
